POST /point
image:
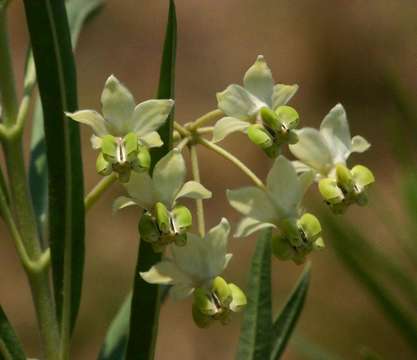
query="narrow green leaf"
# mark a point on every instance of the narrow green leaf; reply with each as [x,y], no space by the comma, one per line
[309,350]
[256,332]
[79,11]
[55,68]
[146,297]
[10,347]
[114,347]
[285,322]
[365,274]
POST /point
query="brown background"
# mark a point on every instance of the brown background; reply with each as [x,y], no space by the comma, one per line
[336,50]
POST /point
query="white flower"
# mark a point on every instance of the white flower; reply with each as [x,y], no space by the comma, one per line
[194,265]
[321,150]
[241,104]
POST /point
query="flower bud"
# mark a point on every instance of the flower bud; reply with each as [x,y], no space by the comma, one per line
[292,137]
[259,136]
[344,178]
[109,148]
[200,319]
[362,176]
[290,231]
[273,151]
[148,229]
[130,143]
[239,298]
[203,302]
[143,159]
[281,247]
[163,218]
[181,219]
[330,191]
[222,292]
[310,227]
[288,117]
[270,118]
[103,167]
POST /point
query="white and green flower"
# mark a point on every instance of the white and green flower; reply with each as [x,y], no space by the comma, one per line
[259,109]
[164,221]
[325,152]
[125,131]
[279,207]
[195,269]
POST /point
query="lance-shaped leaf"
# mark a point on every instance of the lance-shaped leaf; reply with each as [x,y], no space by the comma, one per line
[10,347]
[146,297]
[79,11]
[285,322]
[114,347]
[55,68]
[256,331]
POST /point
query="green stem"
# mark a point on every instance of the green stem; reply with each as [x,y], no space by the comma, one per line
[98,190]
[181,130]
[202,120]
[228,156]
[199,202]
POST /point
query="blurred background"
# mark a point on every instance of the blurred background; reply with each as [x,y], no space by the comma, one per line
[360,53]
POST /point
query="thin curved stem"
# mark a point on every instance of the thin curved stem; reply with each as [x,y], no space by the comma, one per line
[202,120]
[228,156]
[98,190]
[199,202]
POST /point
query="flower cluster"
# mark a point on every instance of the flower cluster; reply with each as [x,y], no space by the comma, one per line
[193,264]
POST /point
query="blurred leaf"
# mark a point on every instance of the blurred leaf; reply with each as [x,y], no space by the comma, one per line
[146,297]
[10,347]
[310,350]
[256,332]
[55,68]
[114,347]
[409,189]
[285,322]
[344,243]
[78,12]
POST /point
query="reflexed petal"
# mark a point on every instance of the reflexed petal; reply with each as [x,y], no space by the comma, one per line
[150,115]
[258,80]
[312,150]
[226,126]
[194,190]
[238,102]
[95,142]
[253,202]
[283,186]
[282,94]
[248,226]
[360,144]
[216,244]
[335,129]
[165,272]
[118,105]
[91,118]
[305,180]
[121,202]
[140,189]
[168,177]
[151,140]
[181,291]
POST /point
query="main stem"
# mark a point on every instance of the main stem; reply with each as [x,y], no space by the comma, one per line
[199,202]
[22,205]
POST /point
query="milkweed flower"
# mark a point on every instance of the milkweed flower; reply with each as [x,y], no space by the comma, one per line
[258,108]
[278,207]
[326,152]
[125,131]
[164,220]
[195,269]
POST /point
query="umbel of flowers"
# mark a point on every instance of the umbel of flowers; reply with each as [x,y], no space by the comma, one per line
[193,264]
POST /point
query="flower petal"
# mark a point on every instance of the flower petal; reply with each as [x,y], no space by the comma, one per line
[238,102]
[165,272]
[227,125]
[216,243]
[283,94]
[168,177]
[121,202]
[95,142]
[151,140]
[312,150]
[335,129]
[253,202]
[259,82]
[360,144]
[194,190]
[283,186]
[181,291]
[91,118]
[150,115]
[140,189]
[248,226]
[118,105]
